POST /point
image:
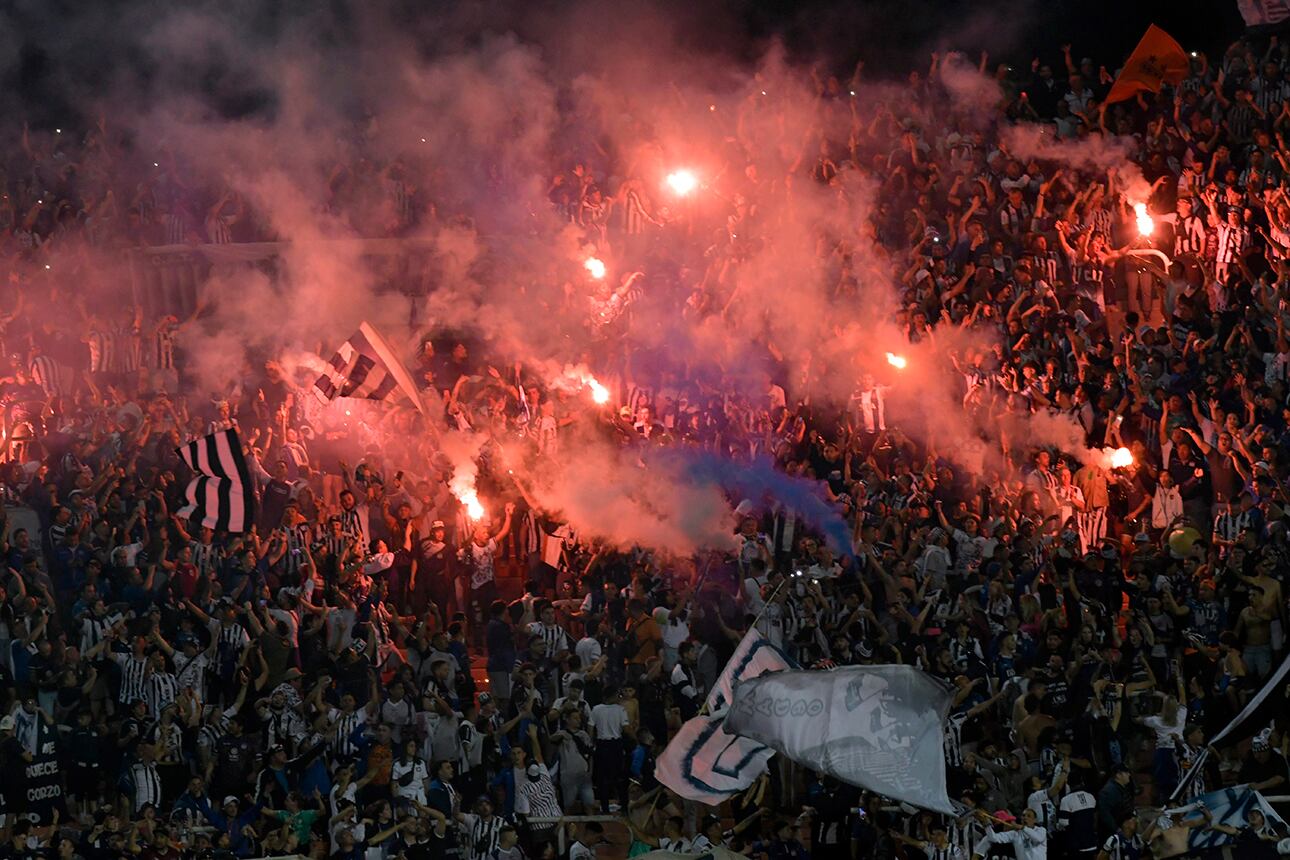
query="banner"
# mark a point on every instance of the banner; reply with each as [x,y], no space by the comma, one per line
[704,762]
[1158,60]
[44,784]
[1189,832]
[878,727]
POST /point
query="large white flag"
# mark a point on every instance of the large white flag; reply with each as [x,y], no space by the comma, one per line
[704,763]
[878,727]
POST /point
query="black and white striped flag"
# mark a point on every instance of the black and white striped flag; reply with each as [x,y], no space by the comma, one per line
[221,495]
[357,370]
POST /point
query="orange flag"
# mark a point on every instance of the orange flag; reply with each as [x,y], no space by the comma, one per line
[1157,60]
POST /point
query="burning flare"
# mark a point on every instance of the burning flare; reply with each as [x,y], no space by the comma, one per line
[473,508]
[575,377]
[682,182]
[897,361]
[599,393]
[1121,457]
[462,485]
[1146,226]
[595,267]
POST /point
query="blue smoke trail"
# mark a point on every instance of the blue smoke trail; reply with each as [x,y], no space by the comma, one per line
[759,479]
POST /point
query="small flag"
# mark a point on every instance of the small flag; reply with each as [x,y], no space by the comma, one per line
[1158,60]
[366,367]
[705,763]
[878,727]
[221,495]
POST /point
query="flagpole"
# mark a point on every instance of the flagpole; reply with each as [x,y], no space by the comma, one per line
[703,711]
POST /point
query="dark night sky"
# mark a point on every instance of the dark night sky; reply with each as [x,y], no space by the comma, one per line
[60,47]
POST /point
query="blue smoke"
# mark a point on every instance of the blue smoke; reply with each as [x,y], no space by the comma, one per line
[759,481]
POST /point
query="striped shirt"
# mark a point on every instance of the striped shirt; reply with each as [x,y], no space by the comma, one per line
[634,215]
[134,674]
[537,798]
[1268,95]
[1231,242]
[282,727]
[1189,236]
[163,348]
[206,557]
[45,373]
[482,834]
[1120,847]
[343,727]
[554,636]
[102,346]
[297,542]
[147,784]
[162,689]
[129,354]
[174,226]
[93,629]
[947,852]
[351,523]
[954,739]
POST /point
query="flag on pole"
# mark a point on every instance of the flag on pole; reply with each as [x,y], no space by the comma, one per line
[1158,60]
[878,727]
[1262,13]
[705,763]
[1257,715]
[366,367]
[1193,827]
[221,495]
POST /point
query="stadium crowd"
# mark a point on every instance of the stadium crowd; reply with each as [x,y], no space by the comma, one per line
[372,673]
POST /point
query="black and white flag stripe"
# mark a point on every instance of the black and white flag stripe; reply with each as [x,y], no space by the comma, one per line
[357,370]
[221,495]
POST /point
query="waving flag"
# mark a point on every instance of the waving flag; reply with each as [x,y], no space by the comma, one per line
[878,727]
[221,495]
[705,763]
[1255,717]
[1190,829]
[366,367]
[1158,60]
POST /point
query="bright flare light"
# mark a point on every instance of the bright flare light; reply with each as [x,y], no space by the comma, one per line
[595,266]
[897,361]
[1121,457]
[599,393]
[1146,226]
[474,509]
[682,182]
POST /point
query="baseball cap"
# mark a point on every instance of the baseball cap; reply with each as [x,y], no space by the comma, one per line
[535,770]
[6,723]
[228,800]
[485,698]
[437,524]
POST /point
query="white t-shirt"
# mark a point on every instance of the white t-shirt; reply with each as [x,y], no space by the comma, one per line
[608,721]
[588,650]
[408,779]
[1166,732]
